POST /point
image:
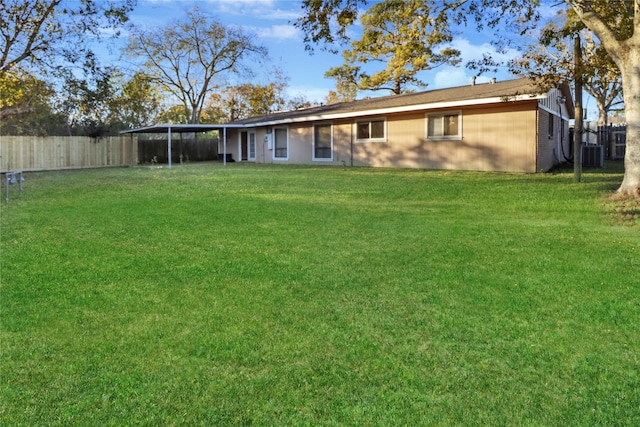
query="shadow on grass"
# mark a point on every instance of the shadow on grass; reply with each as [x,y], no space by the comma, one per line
[620,210]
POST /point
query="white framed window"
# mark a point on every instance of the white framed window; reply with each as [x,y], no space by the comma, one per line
[252,145]
[323,142]
[281,143]
[373,130]
[444,125]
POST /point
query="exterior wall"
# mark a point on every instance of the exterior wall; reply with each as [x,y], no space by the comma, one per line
[553,140]
[494,138]
[497,137]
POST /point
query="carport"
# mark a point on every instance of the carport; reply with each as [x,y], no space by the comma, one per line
[169,128]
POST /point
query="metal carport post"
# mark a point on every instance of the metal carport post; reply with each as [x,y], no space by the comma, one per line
[169,144]
[224,145]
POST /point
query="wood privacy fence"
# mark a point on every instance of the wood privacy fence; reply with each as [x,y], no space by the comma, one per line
[614,139]
[31,153]
[182,150]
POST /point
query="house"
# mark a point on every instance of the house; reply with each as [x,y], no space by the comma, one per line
[499,126]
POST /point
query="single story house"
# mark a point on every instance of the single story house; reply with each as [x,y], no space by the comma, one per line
[499,126]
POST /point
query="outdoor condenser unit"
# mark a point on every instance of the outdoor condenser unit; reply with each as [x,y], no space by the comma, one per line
[593,156]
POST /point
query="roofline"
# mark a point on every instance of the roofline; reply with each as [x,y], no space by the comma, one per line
[166,127]
[398,109]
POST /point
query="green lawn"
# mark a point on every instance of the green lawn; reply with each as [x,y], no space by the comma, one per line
[211,295]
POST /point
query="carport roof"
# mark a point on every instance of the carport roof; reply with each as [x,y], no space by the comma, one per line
[166,127]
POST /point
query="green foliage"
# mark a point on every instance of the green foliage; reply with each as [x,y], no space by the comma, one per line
[46,33]
[550,61]
[26,104]
[265,295]
[137,102]
[250,99]
[346,77]
[401,35]
[327,21]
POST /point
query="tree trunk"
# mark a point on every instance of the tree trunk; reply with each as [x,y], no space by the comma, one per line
[578,129]
[631,84]
[603,118]
[626,55]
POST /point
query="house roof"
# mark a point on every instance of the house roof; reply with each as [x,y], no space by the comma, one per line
[485,93]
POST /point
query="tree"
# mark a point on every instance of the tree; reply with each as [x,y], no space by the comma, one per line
[346,83]
[85,101]
[36,31]
[26,104]
[187,57]
[550,61]
[137,103]
[399,34]
[47,38]
[616,24]
[249,99]
[299,102]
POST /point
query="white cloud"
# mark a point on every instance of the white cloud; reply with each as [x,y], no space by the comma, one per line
[450,77]
[263,9]
[281,32]
[243,4]
[471,52]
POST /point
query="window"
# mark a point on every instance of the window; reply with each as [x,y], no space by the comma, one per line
[371,131]
[551,120]
[252,145]
[322,142]
[281,144]
[444,126]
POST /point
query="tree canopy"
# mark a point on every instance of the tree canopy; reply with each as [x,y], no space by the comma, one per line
[549,59]
[35,31]
[190,56]
[400,35]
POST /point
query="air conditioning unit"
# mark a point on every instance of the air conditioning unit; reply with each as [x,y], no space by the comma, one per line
[593,156]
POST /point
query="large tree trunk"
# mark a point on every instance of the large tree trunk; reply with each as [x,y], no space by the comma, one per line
[602,113]
[626,55]
[631,84]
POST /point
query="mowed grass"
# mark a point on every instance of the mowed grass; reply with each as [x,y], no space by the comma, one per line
[265,295]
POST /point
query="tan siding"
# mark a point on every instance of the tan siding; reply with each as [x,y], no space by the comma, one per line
[300,140]
[342,134]
[497,137]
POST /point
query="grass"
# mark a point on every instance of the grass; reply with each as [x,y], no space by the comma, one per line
[210,295]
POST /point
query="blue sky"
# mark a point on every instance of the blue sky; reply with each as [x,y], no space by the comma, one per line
[271,21]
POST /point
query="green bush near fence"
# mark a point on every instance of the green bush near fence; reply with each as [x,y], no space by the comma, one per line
[211,295]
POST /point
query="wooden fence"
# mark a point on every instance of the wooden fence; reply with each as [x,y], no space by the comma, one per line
[614,140]
[31,153]
[187,150]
